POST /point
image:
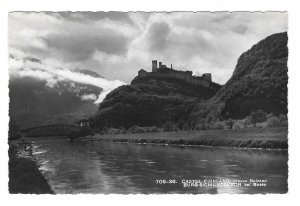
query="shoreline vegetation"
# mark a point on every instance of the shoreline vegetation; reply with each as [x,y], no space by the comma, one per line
[254,138]
[24,174]
[258,130]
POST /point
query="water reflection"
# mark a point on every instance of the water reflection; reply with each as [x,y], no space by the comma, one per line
[103,167]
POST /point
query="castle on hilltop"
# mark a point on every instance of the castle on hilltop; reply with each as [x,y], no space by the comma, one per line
[163,71]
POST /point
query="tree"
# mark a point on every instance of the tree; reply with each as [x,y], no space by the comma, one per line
[14,130]
[180,124]
[209,118]
[170,127]
[186,127]
[257,116]
[229,123]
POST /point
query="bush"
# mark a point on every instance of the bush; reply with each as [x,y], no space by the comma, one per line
[122,130]
[153,129]
[229,123]
[270,115]
[181,124]
[238,125]
[284,123]
[217,125]
[112,131]
[257,116]
[248,121]
[283,118]
[209,118]
[273,121]
[14,135]
[136,129]
[96,131]
[160,129]
[104,130]
[261,124]
[14,130]
[186,127]
[170,127]
[201,126]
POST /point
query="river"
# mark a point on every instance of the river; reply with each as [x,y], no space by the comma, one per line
[106,167]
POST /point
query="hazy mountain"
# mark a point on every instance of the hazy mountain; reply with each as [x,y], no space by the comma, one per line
[89,72]
[35,102]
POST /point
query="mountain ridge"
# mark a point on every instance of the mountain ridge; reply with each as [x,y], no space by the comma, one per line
[150,101]
[259,81]
[35,101]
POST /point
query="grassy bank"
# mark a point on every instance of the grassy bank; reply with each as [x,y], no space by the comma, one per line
[24,175]
[267,138]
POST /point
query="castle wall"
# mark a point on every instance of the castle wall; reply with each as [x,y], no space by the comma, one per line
[142,73]
[163,71]
[182,75]
[199,81]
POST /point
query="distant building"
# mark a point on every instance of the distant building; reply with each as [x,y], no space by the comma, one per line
[83,123]
[163,71]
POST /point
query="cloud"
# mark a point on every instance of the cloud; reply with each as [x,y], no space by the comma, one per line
[86,16]
[82,45]
[158,36]
[89,97]
[66,39]
[20,67]
[118,44]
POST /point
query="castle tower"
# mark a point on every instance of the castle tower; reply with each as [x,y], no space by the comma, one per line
[160,65]
[154,65]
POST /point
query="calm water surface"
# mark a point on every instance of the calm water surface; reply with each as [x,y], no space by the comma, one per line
[104,167]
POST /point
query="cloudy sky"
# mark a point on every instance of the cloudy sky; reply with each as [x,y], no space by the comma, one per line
[117,45]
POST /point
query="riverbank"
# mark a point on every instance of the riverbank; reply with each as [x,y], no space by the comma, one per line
[24,174]
[264,138]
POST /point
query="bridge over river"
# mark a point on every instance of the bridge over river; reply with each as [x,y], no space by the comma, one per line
[50,130]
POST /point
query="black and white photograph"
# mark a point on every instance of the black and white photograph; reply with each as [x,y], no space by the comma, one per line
[123,102]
